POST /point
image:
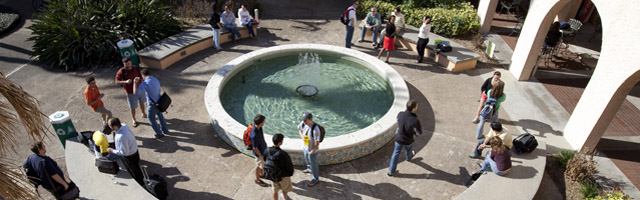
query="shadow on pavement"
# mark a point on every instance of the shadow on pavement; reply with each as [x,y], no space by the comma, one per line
[529,125]
[436,174]
[173,175]
[341,188]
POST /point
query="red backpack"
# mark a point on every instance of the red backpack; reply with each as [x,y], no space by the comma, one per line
[246,137]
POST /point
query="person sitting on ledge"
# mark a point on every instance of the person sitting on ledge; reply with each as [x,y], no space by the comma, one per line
[499,159]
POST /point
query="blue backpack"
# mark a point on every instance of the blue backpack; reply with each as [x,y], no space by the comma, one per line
[489,108]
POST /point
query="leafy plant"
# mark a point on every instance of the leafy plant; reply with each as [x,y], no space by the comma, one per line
[589,189]
[564,156]
[613,193]
[581,167]
[450,18]
[72,34]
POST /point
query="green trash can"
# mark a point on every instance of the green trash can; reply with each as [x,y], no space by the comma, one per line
[128,50]
[61,122]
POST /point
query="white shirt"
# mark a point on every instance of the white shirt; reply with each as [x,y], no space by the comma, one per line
[352,15]
[126,144]
[399,20]
[244,16]
[305,132]
[424,31]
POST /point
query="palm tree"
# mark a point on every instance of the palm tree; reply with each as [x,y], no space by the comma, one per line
[19,109]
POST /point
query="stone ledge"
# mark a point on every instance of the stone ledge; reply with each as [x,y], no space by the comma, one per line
[523,180]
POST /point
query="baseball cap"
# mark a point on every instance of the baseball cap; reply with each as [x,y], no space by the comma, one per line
[306,115]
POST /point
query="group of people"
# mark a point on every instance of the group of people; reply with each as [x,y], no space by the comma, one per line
[395,25]
[227,20]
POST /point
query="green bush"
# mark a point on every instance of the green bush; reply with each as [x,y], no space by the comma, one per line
[564,156]
[589,189]
[72,34]
[448,20]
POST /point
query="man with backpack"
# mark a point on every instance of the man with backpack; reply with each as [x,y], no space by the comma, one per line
[408,126]
[278,167]
[350,15]
[258,147]
[214,21]
[311,135]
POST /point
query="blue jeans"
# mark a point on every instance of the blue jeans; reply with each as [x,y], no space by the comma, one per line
[312,165]
[481,124]
[152,111]
[396,153]
[375,33]
[234,31]
[349,36]
[249,26]
[216,38]
[492,164]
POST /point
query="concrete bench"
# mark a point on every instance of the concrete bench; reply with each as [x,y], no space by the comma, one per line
[97,185]
[164,53]
[522,182]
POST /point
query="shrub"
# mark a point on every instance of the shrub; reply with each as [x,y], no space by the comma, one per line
[74,34]
[564,156]
[581,167]
[450,20]
[589,189]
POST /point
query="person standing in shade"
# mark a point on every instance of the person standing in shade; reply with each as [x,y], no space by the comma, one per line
[497,92]
[423,36]
[408,126]
[259,146]
[398,22]
[151,87]
[127,149]
[496,130]
[351,16]
[486,86]
[246,20]
[373,22]
[214,21]
[93,97]
[389,39]
[124,78]
[283,161]
[229,23]
[310,135]
[45,169]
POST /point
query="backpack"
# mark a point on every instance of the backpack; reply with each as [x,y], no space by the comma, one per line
[525,143]
[444,46]
[246,137]
[344,18]
[271,169]
[321,131]
[488,109]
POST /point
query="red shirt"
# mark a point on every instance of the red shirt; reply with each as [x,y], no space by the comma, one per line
[123,75]
[91,94]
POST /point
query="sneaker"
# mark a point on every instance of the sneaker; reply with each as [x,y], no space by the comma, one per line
[374,44]
[306,171]
[475,120]
[158,136]
[474,156]
[360,41]
[397,171]
[313,184]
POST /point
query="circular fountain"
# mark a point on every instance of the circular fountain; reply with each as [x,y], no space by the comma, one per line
[355,96]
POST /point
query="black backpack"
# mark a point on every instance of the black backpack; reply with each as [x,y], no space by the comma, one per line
[344,18]
[321,131]
[271,169]
[525,143]
[444,46]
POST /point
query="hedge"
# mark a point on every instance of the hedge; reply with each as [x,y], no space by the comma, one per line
[73,34]
[450,20]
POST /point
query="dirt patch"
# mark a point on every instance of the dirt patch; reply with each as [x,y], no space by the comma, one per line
[568,189]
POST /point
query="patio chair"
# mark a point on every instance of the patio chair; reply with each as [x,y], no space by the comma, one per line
[510,4]
[569,35]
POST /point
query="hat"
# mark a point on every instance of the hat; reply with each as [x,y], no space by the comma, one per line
[306,115]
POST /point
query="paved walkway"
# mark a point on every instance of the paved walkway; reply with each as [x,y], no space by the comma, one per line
[198,165]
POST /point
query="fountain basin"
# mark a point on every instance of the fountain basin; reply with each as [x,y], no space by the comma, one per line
[333,150]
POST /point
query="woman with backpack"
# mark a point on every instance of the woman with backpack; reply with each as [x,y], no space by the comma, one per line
[495,96]
[498,161]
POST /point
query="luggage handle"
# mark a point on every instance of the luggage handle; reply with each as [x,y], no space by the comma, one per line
[144,172]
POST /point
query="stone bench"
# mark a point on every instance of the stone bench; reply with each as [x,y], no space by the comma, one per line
[164,53]
[97,185]
[522,182]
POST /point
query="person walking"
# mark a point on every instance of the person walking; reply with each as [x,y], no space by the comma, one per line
[127,149]
[351,16]
[124,78]
[246,20]
[93,97]
[486,86]
[496,93]
[423,36]
[229,23]
[214,21]
[496,130]
[46,170]
[408,126]
[398,22]
[373,22]
[310,134]
[498,161]
[389,39]
[285,166]
[259,146]
[151,87]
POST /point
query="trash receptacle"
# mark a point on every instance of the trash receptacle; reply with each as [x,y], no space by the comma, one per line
[128,50]
[61,122]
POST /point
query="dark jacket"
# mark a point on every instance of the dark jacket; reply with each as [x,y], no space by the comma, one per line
[282,160]
[214,19]
[408,125]
[486,86]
